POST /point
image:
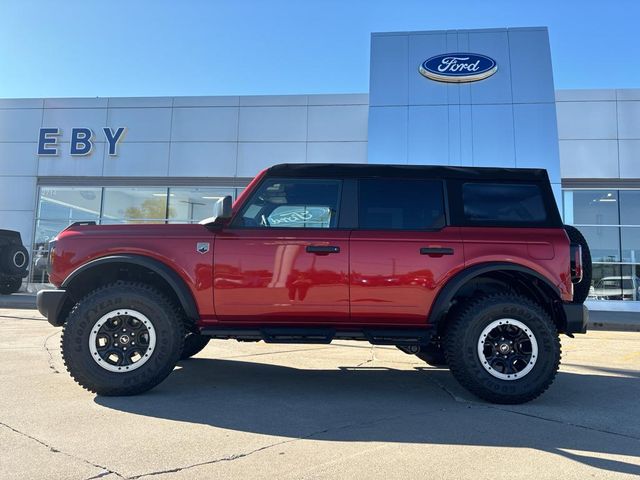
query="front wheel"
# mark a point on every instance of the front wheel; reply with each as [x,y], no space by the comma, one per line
[122,339]
[504,348]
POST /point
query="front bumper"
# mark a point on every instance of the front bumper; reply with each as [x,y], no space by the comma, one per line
[49,303]
[577,316]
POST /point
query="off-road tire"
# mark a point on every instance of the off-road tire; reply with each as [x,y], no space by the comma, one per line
[581,290]
[463,335]
[167,323]
[14,259]
[193,344]
[10,286]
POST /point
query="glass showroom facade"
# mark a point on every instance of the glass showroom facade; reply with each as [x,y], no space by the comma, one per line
[60,206]
[610,221]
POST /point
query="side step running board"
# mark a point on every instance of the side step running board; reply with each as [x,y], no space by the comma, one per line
[379,336]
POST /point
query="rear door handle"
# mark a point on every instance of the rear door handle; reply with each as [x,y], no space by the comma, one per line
[436,251]
[322,249]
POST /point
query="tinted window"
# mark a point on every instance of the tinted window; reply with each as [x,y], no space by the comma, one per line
[292,203]
[401,204]
[503,203]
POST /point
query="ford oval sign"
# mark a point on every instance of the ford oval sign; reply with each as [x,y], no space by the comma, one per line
[458,67]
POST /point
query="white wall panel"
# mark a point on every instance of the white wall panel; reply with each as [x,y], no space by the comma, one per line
[96,102]
[272,100]
[493,143]
[496,88]
[17,193]
[535,137]
[203,159]
[629,159]
[66,165]
[389,69]
[18,159]
[526,70]
[423,91]
[337,152]
[428,134]
[67,118]
[338,123]
[139,160]
[388,134]
[585,95]
[629,120]
[21,102]
[589,158]
[143,124]
[216,124]
[140,102]
[255,156]
[218,101]
[628,94]
[273,124]
[586,120]
[17,125]
[339,99]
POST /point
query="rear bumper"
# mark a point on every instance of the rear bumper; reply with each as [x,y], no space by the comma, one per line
[577,316]
[49,303]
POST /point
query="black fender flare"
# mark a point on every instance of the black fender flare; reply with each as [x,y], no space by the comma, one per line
[169,275]
[449,291]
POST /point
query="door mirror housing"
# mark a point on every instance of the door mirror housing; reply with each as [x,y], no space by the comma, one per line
[221,212]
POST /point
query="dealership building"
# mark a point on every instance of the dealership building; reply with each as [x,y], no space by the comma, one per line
[456,97]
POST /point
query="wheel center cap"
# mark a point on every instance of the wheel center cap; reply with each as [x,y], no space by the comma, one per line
[504,348]
[124,339]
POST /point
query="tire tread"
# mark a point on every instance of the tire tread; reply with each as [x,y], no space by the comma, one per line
[160,300]
[460,324]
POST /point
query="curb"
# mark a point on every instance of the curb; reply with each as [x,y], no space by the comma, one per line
[18,300]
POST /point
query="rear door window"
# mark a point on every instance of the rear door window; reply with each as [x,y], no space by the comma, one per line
[400,204]
[500,203]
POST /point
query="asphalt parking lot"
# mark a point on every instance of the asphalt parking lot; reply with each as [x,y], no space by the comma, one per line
[243,410]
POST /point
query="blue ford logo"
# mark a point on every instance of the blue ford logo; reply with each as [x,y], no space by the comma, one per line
[458,67]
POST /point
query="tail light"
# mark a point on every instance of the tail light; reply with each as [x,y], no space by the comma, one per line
[576,263]
[52,247]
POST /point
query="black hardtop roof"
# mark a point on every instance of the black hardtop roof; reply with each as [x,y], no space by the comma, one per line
[351,170]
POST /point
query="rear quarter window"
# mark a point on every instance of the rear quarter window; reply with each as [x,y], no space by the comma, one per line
[501,203]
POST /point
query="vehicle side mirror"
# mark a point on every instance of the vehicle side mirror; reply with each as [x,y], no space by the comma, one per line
[221,211]
[223,208]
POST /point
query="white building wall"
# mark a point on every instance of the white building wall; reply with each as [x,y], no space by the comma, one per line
[599,133]
[172,137]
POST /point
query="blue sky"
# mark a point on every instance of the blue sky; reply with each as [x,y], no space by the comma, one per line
[214,47]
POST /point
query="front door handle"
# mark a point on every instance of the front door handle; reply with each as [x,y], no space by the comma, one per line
[436,251]
[322,249]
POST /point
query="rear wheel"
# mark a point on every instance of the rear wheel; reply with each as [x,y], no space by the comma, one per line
[10,286]
[193,344]
[503,348]
[581,290]
[122,339]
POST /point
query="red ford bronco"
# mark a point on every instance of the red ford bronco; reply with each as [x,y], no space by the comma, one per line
[468,268]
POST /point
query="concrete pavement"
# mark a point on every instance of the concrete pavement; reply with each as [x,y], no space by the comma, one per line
[348,410]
